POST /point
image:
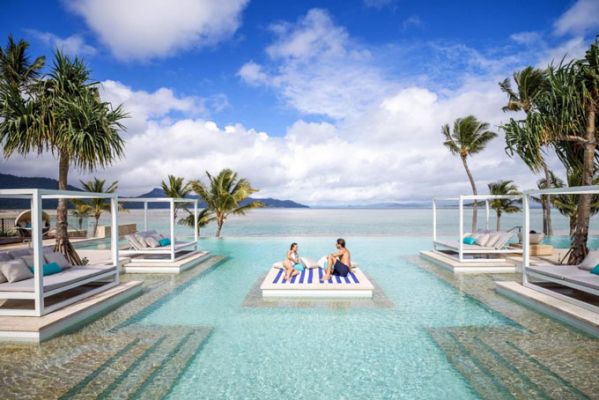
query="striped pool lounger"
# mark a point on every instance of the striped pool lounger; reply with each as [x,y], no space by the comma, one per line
[310,276]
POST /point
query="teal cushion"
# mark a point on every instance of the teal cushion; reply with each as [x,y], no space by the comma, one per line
[299,267]
[50,269]
[469,240]
[595,270]
[164,242]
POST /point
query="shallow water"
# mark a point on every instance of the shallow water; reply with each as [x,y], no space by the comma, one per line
[323,352]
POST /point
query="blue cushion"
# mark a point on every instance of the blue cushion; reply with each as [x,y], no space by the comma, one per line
[299,267]
[49,269]
[595,270]
[164,242]
[469,240]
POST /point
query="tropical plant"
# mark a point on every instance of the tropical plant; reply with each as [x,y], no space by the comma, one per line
[204,218]
[530,83]
[469,136]
[97,206]
[503,206]
[567,204]
[565,116]
[176,187]
[225,195]
[81,211]
[61,113]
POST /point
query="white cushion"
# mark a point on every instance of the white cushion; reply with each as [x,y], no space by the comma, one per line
[494,238]
[141,240]
[58,258]
[308,262]
[15,270]
[152,242]
[483,239]
[590,261]
[278,265]
[503,240]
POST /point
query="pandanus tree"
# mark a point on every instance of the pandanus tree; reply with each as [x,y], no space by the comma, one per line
[468,137]
[567,115]
[175,187]
[530,83]
[226,194]
[96,207]
[503,206]
[61,113]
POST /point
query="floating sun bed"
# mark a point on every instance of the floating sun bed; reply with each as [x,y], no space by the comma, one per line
[307,284]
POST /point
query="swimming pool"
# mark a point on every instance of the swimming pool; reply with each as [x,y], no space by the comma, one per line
[322,352]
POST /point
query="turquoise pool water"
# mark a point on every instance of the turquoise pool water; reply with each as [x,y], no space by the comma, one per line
[323,352]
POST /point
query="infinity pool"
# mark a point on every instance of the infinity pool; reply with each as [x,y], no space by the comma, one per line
[320,352]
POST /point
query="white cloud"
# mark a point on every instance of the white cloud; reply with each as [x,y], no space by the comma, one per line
[379,4]
[317,69]
[581,18]
[412,21]
[72,45]
[526,38]
[146,29]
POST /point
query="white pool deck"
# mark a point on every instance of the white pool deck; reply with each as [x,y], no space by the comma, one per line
[484,266]
[159,266]
[38,329]
[308,285]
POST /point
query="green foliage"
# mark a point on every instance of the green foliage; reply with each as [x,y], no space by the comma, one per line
[224,195]
[469,136]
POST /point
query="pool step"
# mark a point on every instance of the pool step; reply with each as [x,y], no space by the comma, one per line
[163,379]
[492,360]
[145,368]
[550,383]
[481,381]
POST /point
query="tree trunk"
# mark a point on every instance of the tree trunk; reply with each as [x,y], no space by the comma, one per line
[220,221]
[581,235]
[63,245]
[545,203]
[498,225]
[96,222]
[474,205]
[572,225]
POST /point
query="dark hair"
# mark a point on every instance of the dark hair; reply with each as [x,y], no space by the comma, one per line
[292,244]
[341,242]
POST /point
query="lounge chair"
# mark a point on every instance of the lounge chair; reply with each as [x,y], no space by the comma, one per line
[139,245]
[487,244]
[576,277]
[71,276]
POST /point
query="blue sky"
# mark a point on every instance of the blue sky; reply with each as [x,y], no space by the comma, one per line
[311,100]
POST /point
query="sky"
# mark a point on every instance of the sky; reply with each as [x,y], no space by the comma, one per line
[322,102]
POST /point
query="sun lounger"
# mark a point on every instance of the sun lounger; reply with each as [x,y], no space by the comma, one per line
[139,247]
[566,275]
[67,277]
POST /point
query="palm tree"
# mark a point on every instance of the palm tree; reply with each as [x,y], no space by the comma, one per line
[469,136]
[225,195]
[175,187]
[530,83]
[97,207]
[501,206]
[81,211]
[61,113]
[204,218]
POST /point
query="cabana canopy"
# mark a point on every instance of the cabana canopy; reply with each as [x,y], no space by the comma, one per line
[71,278]
[174,247]
[459,246]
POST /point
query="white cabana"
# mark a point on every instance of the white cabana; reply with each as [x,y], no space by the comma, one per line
[39,288]
[566,275]
[458,246]
[173,251]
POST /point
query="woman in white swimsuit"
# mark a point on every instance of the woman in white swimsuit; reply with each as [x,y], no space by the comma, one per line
[290,262]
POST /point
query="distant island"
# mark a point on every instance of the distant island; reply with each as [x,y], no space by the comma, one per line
[8,181]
